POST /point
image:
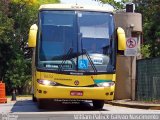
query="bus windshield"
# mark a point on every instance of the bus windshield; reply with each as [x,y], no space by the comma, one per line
[76,41]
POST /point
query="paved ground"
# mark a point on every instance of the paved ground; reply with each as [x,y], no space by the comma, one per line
[123,103]
[25,109]
[135,104]
[25,104]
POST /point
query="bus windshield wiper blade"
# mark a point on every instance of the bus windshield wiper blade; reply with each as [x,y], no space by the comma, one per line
[84,51]
[65,57]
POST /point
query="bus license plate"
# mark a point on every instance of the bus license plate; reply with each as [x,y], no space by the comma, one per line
[76,93]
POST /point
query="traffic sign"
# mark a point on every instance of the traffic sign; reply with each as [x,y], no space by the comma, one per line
[131,46]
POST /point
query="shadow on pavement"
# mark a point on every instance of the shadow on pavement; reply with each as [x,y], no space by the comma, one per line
[24,106]
[53,106]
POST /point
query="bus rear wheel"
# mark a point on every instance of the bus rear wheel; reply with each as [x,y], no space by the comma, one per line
[98,104]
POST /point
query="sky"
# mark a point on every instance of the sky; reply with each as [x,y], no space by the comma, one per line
[81,1]
[87,2]
[90,2]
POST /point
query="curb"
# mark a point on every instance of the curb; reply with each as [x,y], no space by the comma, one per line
[134,105]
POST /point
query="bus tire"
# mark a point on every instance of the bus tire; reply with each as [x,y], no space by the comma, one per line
[98,104]
[41,104]
[34,99]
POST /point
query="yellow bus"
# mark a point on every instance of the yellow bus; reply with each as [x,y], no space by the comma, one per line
[74,53]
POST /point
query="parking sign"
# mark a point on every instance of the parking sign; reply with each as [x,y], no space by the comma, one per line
[131,47]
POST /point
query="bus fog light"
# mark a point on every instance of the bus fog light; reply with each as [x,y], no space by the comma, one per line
[111,93]
[105,84]
[107,94]
[46,82]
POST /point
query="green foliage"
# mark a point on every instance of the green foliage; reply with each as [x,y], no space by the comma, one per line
[47,1]
[16,17]
[6,34]
[145,51]
[19,74]
[116,5]
[151,26]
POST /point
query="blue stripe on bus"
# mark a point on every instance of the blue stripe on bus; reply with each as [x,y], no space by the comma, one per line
[101,81]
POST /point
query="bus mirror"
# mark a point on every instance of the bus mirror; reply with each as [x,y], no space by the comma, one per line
[121,39]
[32,36]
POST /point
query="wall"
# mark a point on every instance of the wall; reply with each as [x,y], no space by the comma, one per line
[129,20]
[126,66]
[123,83]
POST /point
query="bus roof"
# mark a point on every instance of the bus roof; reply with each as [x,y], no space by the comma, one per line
[74,7]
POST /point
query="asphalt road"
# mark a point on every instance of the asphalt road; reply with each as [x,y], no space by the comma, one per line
[28,110]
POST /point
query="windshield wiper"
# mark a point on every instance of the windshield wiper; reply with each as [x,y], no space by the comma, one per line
[84,51]
[65,57]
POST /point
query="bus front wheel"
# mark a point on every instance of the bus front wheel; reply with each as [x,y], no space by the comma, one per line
[41,104]
[98,104]
[34,99]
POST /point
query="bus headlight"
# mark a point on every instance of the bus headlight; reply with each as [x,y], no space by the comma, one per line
[46,82]
[105,84]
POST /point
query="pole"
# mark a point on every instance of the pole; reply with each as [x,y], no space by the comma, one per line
[13,95]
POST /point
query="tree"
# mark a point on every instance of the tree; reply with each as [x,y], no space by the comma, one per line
[151,26]
[6,35]
[17,74]
[15,69]
[115,4]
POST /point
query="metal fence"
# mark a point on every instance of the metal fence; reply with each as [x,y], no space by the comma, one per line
[148,79]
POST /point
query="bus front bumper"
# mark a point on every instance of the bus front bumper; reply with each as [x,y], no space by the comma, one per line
[85,93]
